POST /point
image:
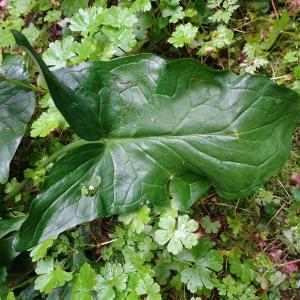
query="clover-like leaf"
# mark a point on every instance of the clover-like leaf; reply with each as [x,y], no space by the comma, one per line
[16,108]
[184,34]
[149,121]
[112,278]
[86,21]
[40,251]
[137,220]
[59,52]
[147,286]
[50,276]
[242,270]
[70,7]
[176,235]
[209,226]
[84,282]
[233,289]
[201,274]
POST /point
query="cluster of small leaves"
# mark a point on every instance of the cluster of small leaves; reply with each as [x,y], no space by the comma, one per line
[224,9]
[135,264]
[100,33]
[135,247]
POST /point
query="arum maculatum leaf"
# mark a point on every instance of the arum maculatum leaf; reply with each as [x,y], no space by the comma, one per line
[164,128]
[16,108]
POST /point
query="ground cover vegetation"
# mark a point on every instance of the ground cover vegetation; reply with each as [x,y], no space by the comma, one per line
[117,195]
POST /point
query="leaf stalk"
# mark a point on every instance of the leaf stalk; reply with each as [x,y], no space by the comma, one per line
[23,85]
[48,161]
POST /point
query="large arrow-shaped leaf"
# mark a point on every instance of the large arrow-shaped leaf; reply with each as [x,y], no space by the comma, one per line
[16,108]
[164,127]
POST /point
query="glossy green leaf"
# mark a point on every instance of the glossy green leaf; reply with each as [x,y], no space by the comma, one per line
[7,250]
[187,189]
[16,108]
[149,121]
[10,225]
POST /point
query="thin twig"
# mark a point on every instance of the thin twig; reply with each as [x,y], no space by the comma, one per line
[281,77]
[231,206]
[282,206]
[269,245]
[100,244]
[236,207]
[275,9]
[278,211]
[281,184]
[289,262]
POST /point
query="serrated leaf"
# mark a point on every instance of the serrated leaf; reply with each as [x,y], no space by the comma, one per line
[47,122]
[224,9]
[209,226]
[83,283]
[50,276]
[17,8]
[32,33]
[60,52]
[47,282]
[201,274]
[16,108]
[40,251]
[158,119]
[235,225]
[242,270]
[107,293]
[147,286]
[87,21]
[184,34]
[176,235]
[7,39]
[277,278]
[234,289]
[70,7]
[112,279]
[45,266]
[137,220]
[52,16]
[146,247]
[140,5]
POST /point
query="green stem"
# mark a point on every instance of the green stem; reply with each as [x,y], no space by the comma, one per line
[46,162]
[24,283]
[62,151]
[23,85]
